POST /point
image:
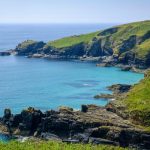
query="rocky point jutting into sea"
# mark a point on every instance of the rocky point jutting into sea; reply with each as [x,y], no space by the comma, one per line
[126,46]
[124,121]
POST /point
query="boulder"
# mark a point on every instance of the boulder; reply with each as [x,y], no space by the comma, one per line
[49,136]
[7,114]
[6,53]
[84,108]
[119,88]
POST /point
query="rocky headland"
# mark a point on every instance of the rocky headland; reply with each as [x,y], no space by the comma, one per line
[126,46]
[124,121]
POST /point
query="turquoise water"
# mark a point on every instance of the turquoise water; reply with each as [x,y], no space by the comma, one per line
[46,84]
[4,138]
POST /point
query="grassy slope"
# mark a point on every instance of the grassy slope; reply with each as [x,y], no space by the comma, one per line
[27,43]
[138,101]
[143,49]
[53,146]
[69,41]
[123,33]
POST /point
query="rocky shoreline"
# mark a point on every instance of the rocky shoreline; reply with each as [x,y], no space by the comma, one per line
[92,124]
[102,61]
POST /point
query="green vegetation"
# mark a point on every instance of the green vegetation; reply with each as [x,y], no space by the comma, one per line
[132,37]
[26,43]
[137,101]
[124,32]
[69,41]
[143,49]
[43,145]
[116,39]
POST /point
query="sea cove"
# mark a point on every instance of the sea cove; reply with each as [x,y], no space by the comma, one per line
[48,84]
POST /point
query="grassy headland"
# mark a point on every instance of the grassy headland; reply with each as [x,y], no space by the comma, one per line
[69,41]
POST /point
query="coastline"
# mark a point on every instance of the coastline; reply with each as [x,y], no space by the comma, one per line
[92,124]
[113,124]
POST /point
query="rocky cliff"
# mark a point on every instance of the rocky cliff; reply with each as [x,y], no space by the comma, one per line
[129,44]
[92,124]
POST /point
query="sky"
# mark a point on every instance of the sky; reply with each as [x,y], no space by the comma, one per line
[74,11]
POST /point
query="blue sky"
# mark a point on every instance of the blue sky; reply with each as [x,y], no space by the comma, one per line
[73,11]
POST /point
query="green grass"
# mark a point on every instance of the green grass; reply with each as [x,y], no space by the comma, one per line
[26,43]
[123,33]
[143,49]
[127,30]
[137,102]
[43,145]
[69,41]
[113,41]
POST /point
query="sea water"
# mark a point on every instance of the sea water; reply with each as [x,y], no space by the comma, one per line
[48,84]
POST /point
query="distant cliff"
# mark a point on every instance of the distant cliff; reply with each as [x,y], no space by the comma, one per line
[127,44]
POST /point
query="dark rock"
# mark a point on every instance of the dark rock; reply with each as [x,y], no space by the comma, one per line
[100,132]
[84,108]
[119,88]
[84,138]
[97,126]
[7,114]
[126,68]
[7,53]
[29,47]
[49,136]
[108,32]
[102,141]
[75,50]
[128,44]
[94,49]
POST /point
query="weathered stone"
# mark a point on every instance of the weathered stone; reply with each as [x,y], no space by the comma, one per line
[104,96]
[119,88]
[84,108]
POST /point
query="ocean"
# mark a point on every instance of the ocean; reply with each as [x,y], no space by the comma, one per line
[48,84]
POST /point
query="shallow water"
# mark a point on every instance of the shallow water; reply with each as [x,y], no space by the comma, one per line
[46,84]
[4,138]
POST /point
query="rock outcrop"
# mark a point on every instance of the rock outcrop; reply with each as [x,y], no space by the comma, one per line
[93,124]
[7,53]
[126,44]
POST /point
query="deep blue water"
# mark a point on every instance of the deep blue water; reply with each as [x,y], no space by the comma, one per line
[46,84]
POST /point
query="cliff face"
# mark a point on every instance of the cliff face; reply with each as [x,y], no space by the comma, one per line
[129,43]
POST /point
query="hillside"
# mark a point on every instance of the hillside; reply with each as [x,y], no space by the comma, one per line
[70,41]
[137,101]
[135,104]
[128,43]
